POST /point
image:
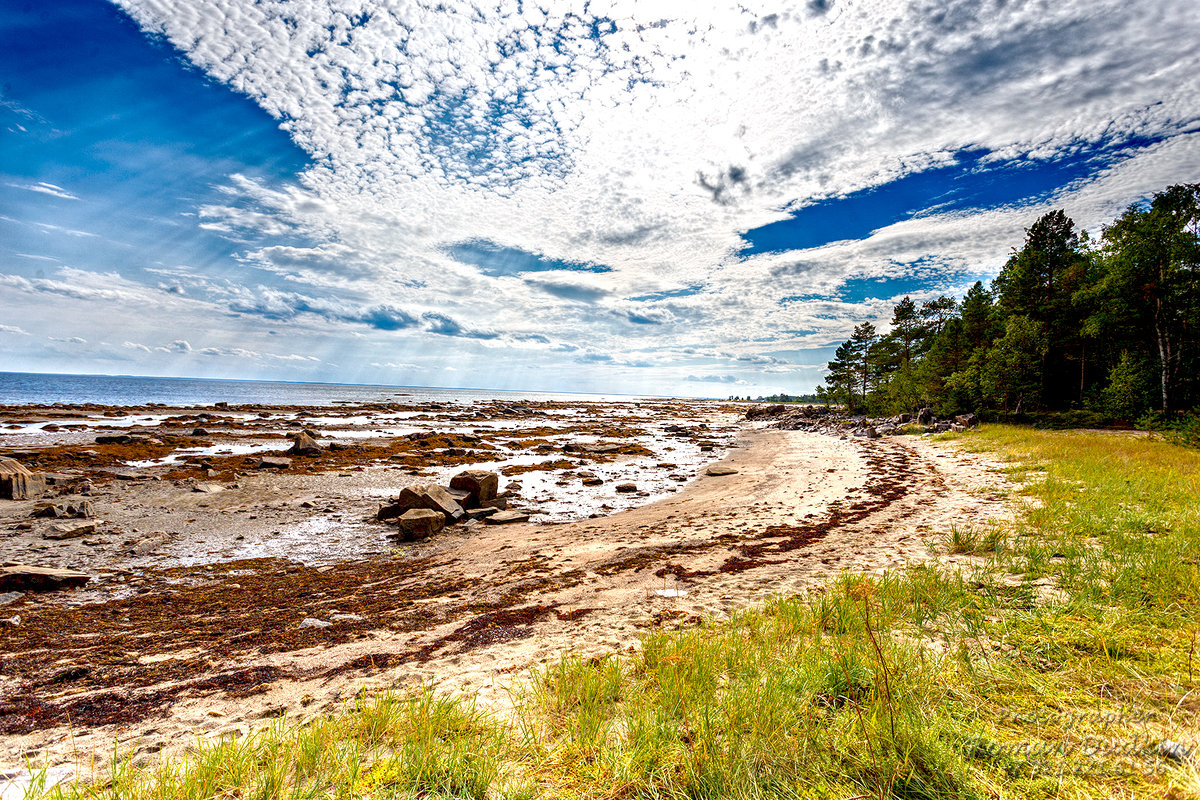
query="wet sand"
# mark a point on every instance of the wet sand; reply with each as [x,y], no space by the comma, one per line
[163,651]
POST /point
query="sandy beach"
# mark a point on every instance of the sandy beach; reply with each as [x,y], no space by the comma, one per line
[211,630]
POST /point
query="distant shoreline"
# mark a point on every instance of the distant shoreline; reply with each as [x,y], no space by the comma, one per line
[38,388]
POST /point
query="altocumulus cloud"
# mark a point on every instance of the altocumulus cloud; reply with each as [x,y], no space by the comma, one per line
[606,176]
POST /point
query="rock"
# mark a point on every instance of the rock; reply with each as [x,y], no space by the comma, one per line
[312,622]
[10,597]
[461,496]
[419,523]
[1174,750]
[717,471]
[481,485]
[273,462]
[967,420]
[78,509]
[625,488]
[956,428]
[26,578]
[506,517]
[925,416]
[199,432]
[208,488]
[592,480]
[439,499]
[886,429]
[69,531]
[19,483]
[757,412]
[871,432]
[431,496]
[480,513]
[152,542]
[125,438]
[305,445]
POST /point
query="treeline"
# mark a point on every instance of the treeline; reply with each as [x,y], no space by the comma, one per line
[1109,325]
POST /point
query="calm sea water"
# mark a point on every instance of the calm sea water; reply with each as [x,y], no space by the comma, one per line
[18,388]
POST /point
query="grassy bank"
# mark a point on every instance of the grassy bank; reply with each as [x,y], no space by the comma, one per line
[1055,664]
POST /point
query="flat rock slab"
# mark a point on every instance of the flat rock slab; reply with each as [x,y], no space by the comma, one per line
[69,531]
[273,462]
[718,471]
[505,517]
[26,578]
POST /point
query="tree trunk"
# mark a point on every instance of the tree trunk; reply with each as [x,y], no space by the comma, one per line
[1164,353]
[1163,357]
[1082,366]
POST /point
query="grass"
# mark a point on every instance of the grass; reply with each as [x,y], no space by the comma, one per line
[1054,665]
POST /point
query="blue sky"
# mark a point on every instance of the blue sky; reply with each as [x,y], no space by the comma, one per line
[612,197]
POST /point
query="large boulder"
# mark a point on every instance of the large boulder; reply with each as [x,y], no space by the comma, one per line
[19,483]
[25,578]
[419,523]
[438,498]
[925,416]
[967,420]
[304,445]
[481,484]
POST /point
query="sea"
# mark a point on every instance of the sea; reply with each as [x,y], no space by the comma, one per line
[28,388]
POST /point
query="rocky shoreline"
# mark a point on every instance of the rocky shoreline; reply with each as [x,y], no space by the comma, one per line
[822,419]
[290,588]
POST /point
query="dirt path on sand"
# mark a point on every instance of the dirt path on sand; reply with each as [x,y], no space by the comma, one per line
[209,650]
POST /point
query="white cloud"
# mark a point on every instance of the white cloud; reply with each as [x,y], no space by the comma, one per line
[13,329]
[646,138]
[41,187]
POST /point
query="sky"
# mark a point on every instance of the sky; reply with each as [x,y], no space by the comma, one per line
[692,199]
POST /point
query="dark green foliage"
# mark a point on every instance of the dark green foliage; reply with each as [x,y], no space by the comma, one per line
[1111,328]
